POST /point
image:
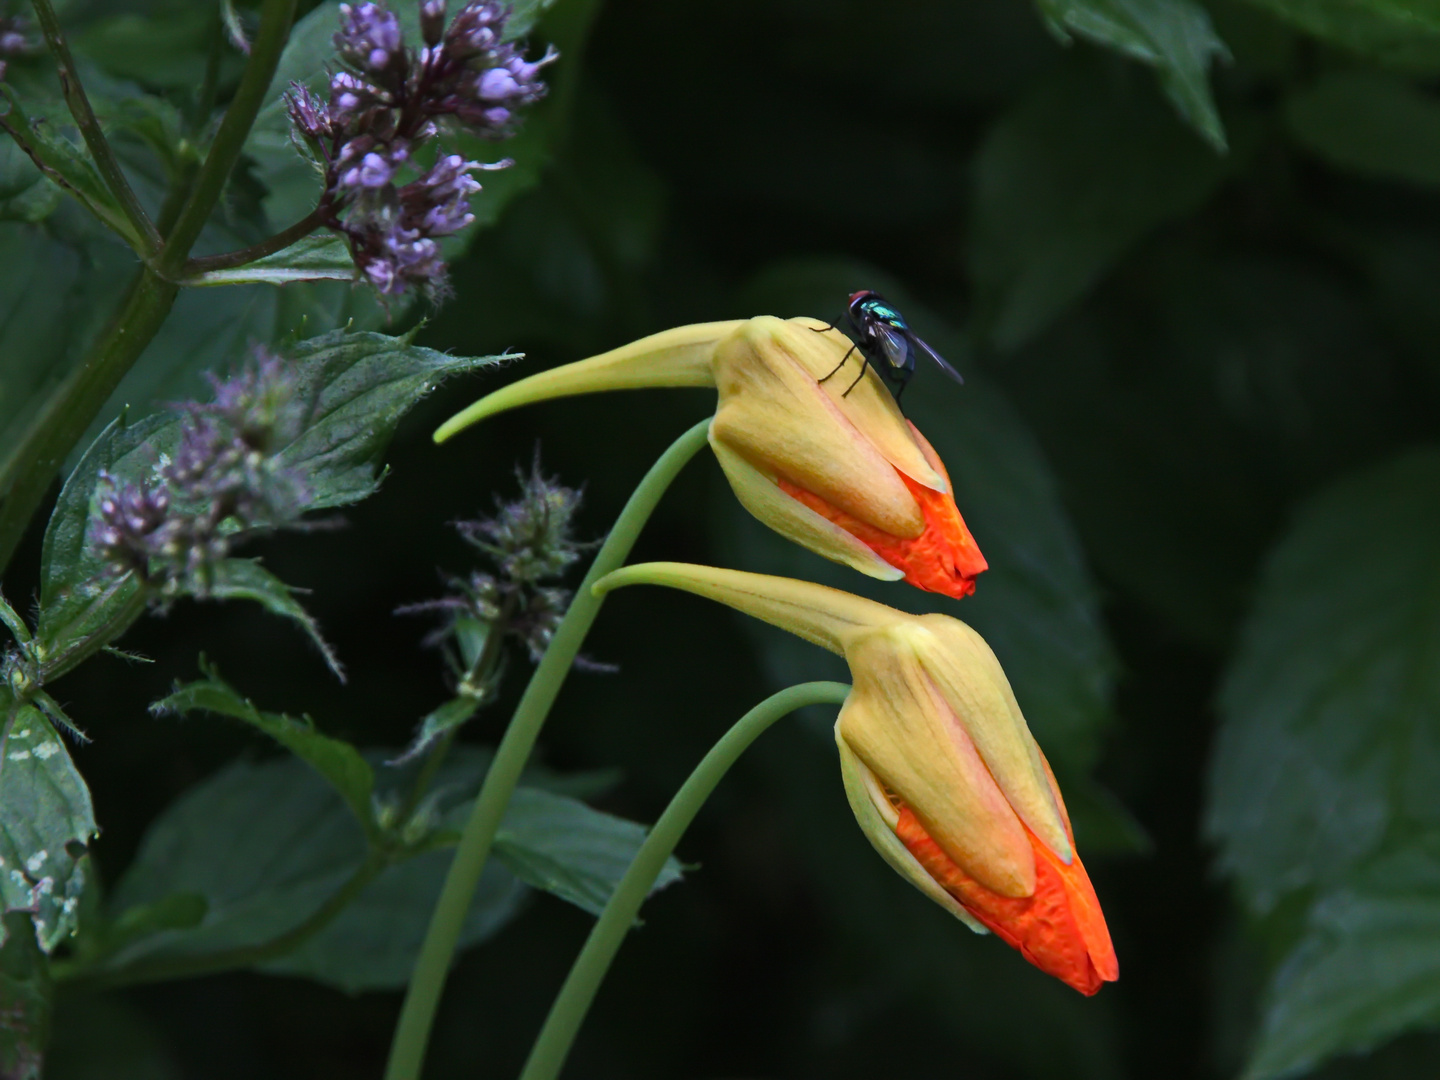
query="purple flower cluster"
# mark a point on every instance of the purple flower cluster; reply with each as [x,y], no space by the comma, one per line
[14,41]
[224,478]
[384,104]
[530,544]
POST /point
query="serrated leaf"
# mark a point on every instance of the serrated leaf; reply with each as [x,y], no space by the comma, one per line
[1325,785]
[266,845]
[46,819]
[322,256]
[1369,123]
[334,759]
[361,385]
[1366,970]
[25,1001]
[436,723]
[1330,737]
[559,844]
[1067,183]
[1172,36]
[246,579]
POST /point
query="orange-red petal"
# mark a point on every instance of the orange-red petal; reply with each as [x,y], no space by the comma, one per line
[1059,928]
[944,558]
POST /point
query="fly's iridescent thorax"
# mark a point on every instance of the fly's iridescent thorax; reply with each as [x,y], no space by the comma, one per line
[869,307]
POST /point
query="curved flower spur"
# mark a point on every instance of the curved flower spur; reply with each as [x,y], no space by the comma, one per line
[939,766]
[843,474]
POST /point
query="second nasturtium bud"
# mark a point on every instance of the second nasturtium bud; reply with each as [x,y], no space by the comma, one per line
[839,471]
[939,765]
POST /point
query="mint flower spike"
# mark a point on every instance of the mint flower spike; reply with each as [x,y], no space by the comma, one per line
[224,479]
[385,103]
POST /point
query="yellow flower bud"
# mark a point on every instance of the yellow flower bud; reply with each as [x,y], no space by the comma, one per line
[837,470]
[939,765]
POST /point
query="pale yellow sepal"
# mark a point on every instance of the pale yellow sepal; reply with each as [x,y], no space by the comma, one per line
[678,357]
[877,818]
[795,521]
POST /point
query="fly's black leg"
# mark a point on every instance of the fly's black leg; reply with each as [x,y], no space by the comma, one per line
[823,329]
[856,383]
[842,362]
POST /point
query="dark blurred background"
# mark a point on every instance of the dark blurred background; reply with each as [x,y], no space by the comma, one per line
[1191,443]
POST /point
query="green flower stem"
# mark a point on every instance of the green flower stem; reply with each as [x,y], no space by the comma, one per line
[279,242]
[104,157]
[412,1033]
[573,1002]
[61,421]
[275,19]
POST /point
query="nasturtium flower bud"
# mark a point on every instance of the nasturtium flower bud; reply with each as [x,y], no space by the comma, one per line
[841,472]
[939,766]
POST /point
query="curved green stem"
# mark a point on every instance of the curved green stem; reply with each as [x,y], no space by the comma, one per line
[573,1002]
[412,1033]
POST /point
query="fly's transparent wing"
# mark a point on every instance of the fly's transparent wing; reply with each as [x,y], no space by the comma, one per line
[893,344]
[933,355]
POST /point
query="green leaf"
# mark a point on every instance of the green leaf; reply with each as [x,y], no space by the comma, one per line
[266,845]
[246,579]
[165,48]
[1369,123]
[336,760]
[1401,34]
[81,602]
[361,385]
[25,1001]
[321,256]
[1330,738]
[1172,36]
[1066,184]
[1325,785]
[373,943]
[1366,970]
[559,844]
[68,164]
[46,819]
[436,723]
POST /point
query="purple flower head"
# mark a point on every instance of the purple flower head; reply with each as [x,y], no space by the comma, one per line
[13,39]
[133,524]
[369,38]
[476,29]
[438,204]
[370,169]
[309,115]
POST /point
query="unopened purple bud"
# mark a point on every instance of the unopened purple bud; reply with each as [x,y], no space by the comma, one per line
[308,114]
[476,29]
[432,21]
[497,84]
[369,36]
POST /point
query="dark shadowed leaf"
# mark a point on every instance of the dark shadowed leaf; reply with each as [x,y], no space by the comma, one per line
[1325,785]
[373,943]
[24,1001]
[559,844]
[1369,123]
[46,819]
[1331,733]
[1172,36]
[336,760]
[246,579]
[1067,183]
[1400,34]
